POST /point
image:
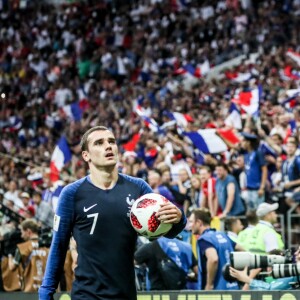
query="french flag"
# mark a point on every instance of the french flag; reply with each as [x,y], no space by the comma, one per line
[152,124]
[178,5]
[60,157]
[181,119]
[72,111]
[228,135]
[207,141]
[249,101]
[294,56]
[234,118]
[291,101]
[189,69]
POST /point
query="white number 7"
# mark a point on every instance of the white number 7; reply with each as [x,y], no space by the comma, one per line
[95,216]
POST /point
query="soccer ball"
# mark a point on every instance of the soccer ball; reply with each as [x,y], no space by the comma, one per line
[142,216]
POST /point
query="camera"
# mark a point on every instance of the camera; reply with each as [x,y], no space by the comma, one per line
[286,270]
[240,260]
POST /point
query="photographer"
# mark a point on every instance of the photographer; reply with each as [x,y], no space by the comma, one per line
[253,284]
[31,256]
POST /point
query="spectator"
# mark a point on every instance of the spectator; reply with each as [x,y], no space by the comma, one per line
[291,172]
[208,188]
[256,172]
[195,193]
[243,235]
[13,195]
[214,249]
[28,209]
[154,180]
[228,193]
[43,211]
[263,238]
[233,226]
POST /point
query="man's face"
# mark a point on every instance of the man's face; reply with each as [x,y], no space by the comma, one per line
[153,179]
[271,217]
[102,149]
[24,234]
[220,172]
[291,147]
[183,175]
[204,175]
[238,226]
[194,224]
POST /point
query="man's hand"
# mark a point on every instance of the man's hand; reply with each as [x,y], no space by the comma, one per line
[169,213]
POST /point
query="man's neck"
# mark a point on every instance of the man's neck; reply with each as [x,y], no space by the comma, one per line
[104,178]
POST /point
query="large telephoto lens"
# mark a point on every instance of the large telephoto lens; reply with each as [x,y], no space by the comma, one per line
[240,260]
[285,270]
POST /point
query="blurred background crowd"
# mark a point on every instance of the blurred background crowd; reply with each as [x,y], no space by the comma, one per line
[202,96]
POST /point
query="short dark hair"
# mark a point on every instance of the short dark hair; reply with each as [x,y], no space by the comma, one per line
[84,139]
[30,224]
[252,218]
[202,214]
[229,222]
[223,165]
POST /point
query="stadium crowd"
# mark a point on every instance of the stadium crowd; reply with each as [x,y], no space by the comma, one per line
[143,69]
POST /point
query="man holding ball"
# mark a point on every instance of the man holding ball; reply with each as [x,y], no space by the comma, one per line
[95,211]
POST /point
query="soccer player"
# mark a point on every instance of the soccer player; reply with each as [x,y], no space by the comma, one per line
[95,210]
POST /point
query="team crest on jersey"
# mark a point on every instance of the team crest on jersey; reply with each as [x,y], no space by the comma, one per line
[56,222]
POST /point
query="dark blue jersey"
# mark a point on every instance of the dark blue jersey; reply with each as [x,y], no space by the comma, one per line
[99,221]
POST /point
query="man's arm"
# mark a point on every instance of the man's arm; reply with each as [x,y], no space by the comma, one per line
[211,266]
[62,229]
[13,262]
[263,181]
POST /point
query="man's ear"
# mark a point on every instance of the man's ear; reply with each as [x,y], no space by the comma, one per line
[85,156]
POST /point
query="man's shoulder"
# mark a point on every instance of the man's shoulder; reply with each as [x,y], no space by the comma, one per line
[73,186]
[137,181]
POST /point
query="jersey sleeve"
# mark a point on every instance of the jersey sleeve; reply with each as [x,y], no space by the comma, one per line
[177,228]
[62,229]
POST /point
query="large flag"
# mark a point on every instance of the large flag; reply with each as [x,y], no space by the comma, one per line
[72,111]
[228,135]
[207,141]
[60,157]
[234,118]
[249,101]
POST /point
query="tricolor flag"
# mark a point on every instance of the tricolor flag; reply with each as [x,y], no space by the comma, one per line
[249,101]
[207,141]
[152,124]
[228,135]
[181,119]
[60,157]
[178,5]
[234,118]
[189,69]
[72,111]
[290,102]
[294,56]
